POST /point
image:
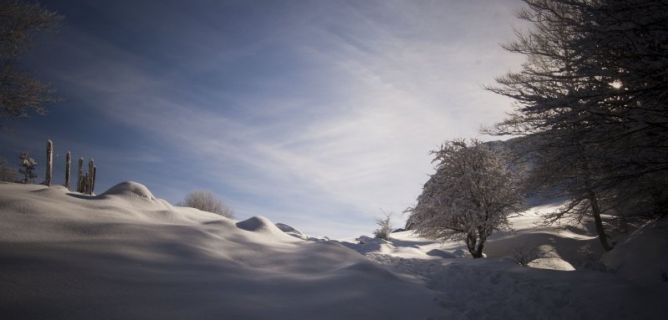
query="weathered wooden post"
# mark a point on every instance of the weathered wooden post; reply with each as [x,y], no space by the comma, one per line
[80,178]
[68,164]
[89,181]
[84,183]
[92,186]
[49,163]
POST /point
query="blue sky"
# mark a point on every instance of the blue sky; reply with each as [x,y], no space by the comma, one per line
[319,114]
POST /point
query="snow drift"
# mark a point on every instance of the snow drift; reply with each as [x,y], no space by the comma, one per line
[127,255]
[636,258]
[292,231]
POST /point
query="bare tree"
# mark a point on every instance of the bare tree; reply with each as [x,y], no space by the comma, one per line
[593,93]
[627,44]
[207,201]
[20,93]
[470,195]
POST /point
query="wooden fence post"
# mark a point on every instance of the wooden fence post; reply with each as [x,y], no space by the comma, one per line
[89,182]
[68,164]
[80,178]
[49,163]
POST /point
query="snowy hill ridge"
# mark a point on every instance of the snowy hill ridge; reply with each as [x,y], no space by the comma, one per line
[128,255]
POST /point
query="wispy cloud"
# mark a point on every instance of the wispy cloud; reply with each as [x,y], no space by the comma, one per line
[322,120]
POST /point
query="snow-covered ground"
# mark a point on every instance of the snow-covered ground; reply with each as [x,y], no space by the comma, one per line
[126,255]
[564,276]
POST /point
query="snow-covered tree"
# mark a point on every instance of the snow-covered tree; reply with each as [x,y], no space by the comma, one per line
[27,168]
[206,201]
[470,195]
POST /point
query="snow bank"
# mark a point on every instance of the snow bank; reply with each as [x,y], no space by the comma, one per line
[127,255]
[642,257]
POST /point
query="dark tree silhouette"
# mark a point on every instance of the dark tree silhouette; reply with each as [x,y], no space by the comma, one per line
[20,93]
[593,93]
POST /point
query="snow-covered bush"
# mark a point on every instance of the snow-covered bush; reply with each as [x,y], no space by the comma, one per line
[469,196]
[384,227]
[28,165]
[206,201]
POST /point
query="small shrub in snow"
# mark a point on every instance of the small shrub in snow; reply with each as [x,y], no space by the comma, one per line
[28,166]
[206,201]
[384,228]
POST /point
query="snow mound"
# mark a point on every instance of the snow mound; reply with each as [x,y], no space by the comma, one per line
[642,257]
[257,223]
[551,263]
[548,258]
[130,189]
[291,231]
[264,226]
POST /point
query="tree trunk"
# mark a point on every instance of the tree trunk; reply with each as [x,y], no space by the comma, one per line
[598,222]
[474,245]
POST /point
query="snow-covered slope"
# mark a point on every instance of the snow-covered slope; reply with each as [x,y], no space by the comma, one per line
[563,277]
[642,258]
[128,255]
[528,236]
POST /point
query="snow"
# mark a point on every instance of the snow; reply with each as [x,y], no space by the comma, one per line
[126,254]
[292,231]
[642,257]
[130,188]
[551,263]
[262,225]
[563,277]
